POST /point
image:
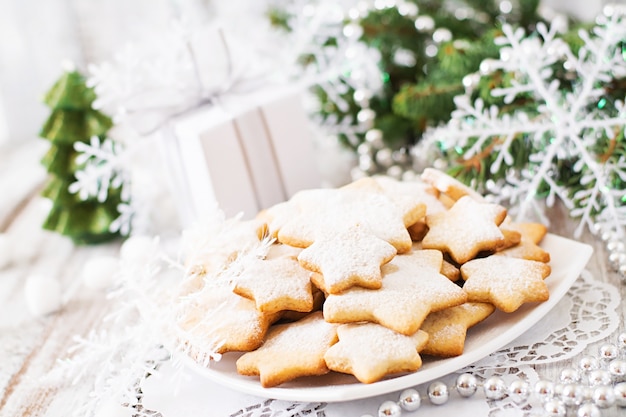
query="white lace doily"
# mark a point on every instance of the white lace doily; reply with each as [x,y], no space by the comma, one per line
[585,315]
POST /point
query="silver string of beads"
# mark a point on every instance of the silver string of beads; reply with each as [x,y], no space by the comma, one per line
[597,383]
[613,236]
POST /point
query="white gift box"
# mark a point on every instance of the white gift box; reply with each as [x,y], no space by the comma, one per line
[243,154]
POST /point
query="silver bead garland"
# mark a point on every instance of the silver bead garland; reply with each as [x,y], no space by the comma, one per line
[596,384]
[614,238]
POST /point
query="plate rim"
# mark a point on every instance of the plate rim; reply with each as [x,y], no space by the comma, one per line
[357,390]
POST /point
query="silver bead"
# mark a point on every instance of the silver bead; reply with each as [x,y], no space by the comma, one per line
[558,389]
[587,393]
[599,377]
[544,390]
[506,7]
[555,408]
[395,171]
[375,138]
[569,376]
[603,396]
[366,163]
[560,23]
[466,385]
[620,394]
[424,23]
[364,149]
[408,9]
[384,4]
[572,394]
[438,393]
[617,258]
[471,81]
[352,31]
[495,388]
[588,410]
[621,341]
[354,13]
[588,363]
[617,368]
[442,35]
[409,175]
[596,228]
[615,245]
[410,400]
[487,66]
[389,409]
[366,117]
[383,157]
[519,391]
[440,164]
[608,351]
[400,156]
[404,58]
[362,97]
[431,50]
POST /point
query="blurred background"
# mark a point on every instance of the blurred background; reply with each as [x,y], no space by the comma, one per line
[37,36]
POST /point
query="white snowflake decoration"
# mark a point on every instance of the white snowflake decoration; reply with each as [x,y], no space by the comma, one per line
[131,341]
[102,170]
[564,129]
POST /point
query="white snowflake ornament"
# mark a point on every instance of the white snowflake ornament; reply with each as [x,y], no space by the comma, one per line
[549,136]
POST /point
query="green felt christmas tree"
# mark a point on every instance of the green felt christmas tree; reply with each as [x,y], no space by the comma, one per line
[74,120]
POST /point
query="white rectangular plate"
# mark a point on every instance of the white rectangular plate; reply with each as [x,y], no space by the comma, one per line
[568,259]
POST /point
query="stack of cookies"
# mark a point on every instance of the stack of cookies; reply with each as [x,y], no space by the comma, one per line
[361,279]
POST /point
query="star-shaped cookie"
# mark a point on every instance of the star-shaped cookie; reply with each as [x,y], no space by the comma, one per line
[216,320]
[468,228]
[340,209]
[434,258]
[276,284]
[291,351]
[447,328]
[370,351]
[412,288]
[505,282]
[527,248]
[209,250]
[449,186]
[407,193]
[279,214]
[346,258]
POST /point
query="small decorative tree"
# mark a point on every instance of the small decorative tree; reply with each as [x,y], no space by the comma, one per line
[73,120]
